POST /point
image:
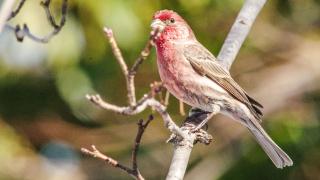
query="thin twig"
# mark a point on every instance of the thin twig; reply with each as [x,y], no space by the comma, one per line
[134,170]
[146,101]
[142,126]
[97,154]
[17,10]
[116,51]
[145,52]
[118,55]
[129,75]
[20,33]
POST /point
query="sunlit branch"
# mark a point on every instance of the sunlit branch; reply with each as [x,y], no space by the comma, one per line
[239,31]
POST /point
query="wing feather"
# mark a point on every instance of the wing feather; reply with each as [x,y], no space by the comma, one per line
[206,65]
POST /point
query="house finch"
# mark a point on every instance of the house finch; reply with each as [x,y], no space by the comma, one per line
[192,74]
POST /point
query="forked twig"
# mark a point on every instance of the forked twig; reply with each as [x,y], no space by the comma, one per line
[130,74]
[24,31]
[147,100]
[134,170]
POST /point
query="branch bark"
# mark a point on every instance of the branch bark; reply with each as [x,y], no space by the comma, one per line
[239,31]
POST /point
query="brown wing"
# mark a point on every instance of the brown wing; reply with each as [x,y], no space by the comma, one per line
[205,64]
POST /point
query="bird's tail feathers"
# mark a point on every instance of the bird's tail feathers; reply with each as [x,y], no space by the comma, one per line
[279,158]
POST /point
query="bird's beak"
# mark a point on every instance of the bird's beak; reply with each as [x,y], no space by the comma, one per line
[157,24]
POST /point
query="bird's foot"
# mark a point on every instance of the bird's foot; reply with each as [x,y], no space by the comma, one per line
[201,135]
[200,125]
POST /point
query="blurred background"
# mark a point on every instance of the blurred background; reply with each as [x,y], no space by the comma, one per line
[45,118]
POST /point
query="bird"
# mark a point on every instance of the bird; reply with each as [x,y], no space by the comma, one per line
[193,75]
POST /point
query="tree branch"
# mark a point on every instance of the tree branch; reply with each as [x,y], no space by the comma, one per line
[142,127]
[15,12]
[134,170]
[129,75]
[97,154]
[239,31]
[24,31]
[147,100]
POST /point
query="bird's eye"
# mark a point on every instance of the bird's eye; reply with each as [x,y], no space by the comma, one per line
[172,20]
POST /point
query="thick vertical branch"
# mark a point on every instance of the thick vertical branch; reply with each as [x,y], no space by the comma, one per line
[179,162]
[239,31]
[183,146]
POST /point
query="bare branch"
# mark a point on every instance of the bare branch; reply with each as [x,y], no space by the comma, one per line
[15,12]
[5,12]
[46,5]
[20,33]
[239,31]
[118,55]
[97,154]
[147,100]
[143,103]
[145,52]
[129,75]
[142,126]
[134,171]
[116,51]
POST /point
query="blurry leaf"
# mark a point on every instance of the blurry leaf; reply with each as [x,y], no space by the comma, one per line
[73,85]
